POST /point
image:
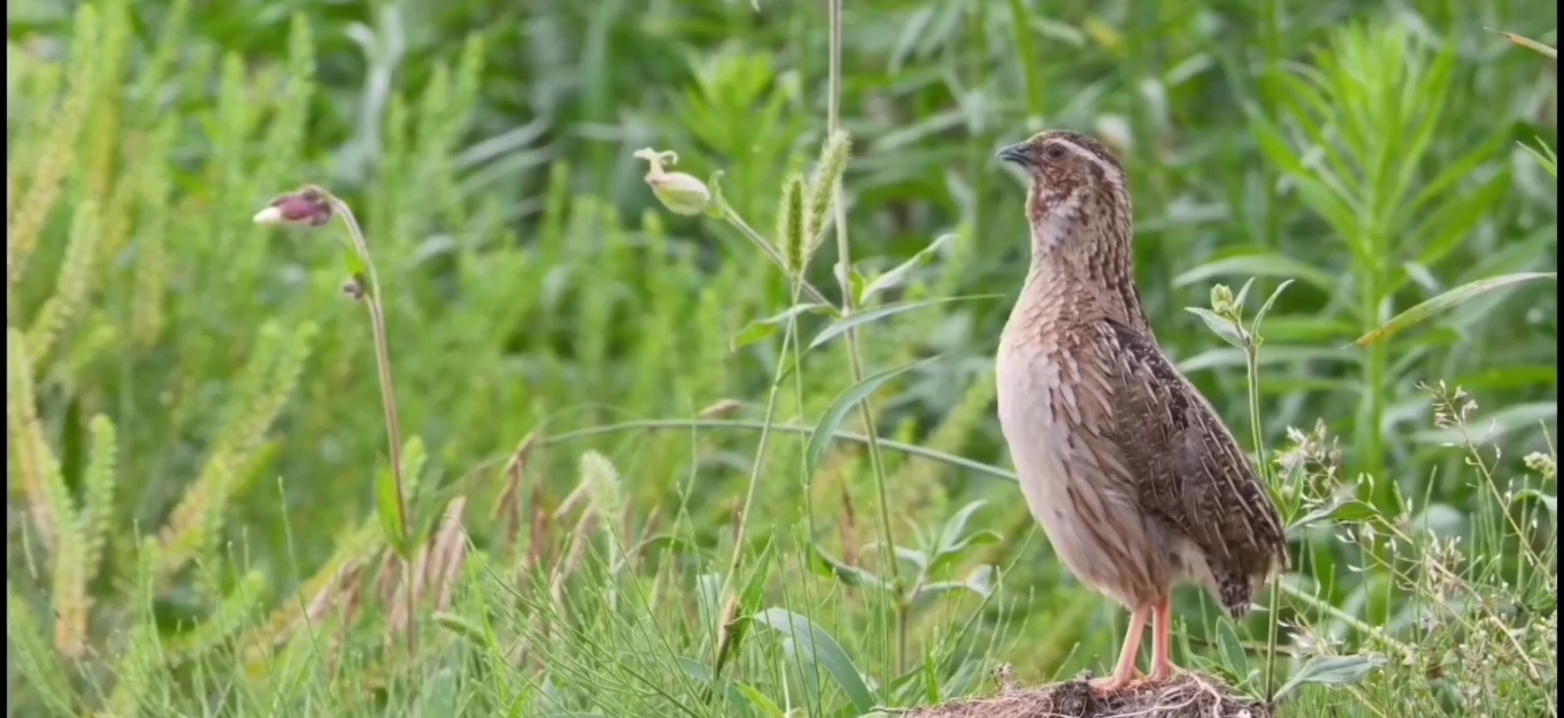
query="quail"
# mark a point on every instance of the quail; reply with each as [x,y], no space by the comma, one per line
[1137,484]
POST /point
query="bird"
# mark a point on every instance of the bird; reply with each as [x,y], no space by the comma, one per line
[1135,480]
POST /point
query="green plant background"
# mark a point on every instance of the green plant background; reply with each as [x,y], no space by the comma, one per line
[194,419]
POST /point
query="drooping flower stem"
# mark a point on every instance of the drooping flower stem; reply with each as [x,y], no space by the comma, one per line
[313,206]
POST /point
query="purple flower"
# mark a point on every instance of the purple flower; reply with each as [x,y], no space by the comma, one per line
[308,206]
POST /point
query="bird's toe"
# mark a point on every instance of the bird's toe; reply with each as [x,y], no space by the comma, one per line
[1164,673]
[1111,685]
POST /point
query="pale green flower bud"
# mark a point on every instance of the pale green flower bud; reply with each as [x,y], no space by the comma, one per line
[1222,300]
[679,192]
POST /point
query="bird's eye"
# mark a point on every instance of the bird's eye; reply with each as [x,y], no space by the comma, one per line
[1054,152]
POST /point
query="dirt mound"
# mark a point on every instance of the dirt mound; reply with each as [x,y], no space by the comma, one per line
[1188,696]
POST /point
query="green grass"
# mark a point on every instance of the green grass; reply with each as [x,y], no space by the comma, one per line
[644,463]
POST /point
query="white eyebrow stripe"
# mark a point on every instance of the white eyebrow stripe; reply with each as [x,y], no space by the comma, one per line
[1114,174]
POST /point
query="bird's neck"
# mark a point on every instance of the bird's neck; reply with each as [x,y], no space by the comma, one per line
[1090,268]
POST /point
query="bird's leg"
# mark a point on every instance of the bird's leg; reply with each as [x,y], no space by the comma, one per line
[1162,667]
[1125,673]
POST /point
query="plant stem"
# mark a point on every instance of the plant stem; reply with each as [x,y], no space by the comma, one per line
[725,647]
[1326,607]
[1252,364]
[897,446]
[377,324]
[1370,439]
[844,276]
[770,251]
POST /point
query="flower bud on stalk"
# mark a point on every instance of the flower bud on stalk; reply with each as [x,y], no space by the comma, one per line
[679,192]
[308,206]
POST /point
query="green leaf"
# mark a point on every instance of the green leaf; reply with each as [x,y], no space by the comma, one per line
[1443,230]
[762,328]
[1219,326]
[827,565]
[813,645]
[1273,355]
[956,525]
[1254,326]
[980,582]
[759,700]
[750,596]
[391,519]
[1497,423]
[953,539]
[1545,157]
[1242,296]
[1530,44]
[1234,657]
[917,558]
[831,420]
[664,542]
[897,275]
[1259,265]
[1446,301]
[1346,511]
[701,674]
[1331,670]
[841,326]
[1548,501]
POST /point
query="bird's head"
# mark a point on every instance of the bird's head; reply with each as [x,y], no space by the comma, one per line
[1077,190]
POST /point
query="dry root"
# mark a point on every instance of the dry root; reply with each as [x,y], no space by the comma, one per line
[1187,696]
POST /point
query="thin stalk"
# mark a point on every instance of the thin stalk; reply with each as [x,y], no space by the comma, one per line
[932,455]
[766,248]
[1326,607]
[377,324]
[743,425]
[1374,381]
[798,399]
[844,276]
[1252,364]
[725,647]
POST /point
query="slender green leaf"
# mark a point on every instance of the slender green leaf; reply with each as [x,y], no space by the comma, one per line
[841,326]
[1446,301]
[392,523]
[898,274]
[827,565]
[1545,157]
[1234,658]
[1347,511]
[761,328]
[1548,501]
[820,438]
[1332,670]
[1530,44]
[1259,265]
[956,525]
[813,645]
[759,700]
[1218,325]
[1259,316]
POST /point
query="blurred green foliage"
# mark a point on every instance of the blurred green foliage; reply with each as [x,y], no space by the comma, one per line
[191,398]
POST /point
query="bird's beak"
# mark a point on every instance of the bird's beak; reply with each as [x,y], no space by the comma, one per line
[1015,154]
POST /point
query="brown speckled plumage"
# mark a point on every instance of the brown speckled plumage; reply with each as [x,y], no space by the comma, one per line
[1132,474]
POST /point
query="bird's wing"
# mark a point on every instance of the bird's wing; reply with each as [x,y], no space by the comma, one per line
[1188,470]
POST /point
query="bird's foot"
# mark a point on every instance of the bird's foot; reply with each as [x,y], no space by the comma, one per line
[1164,673]
[1110,685]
